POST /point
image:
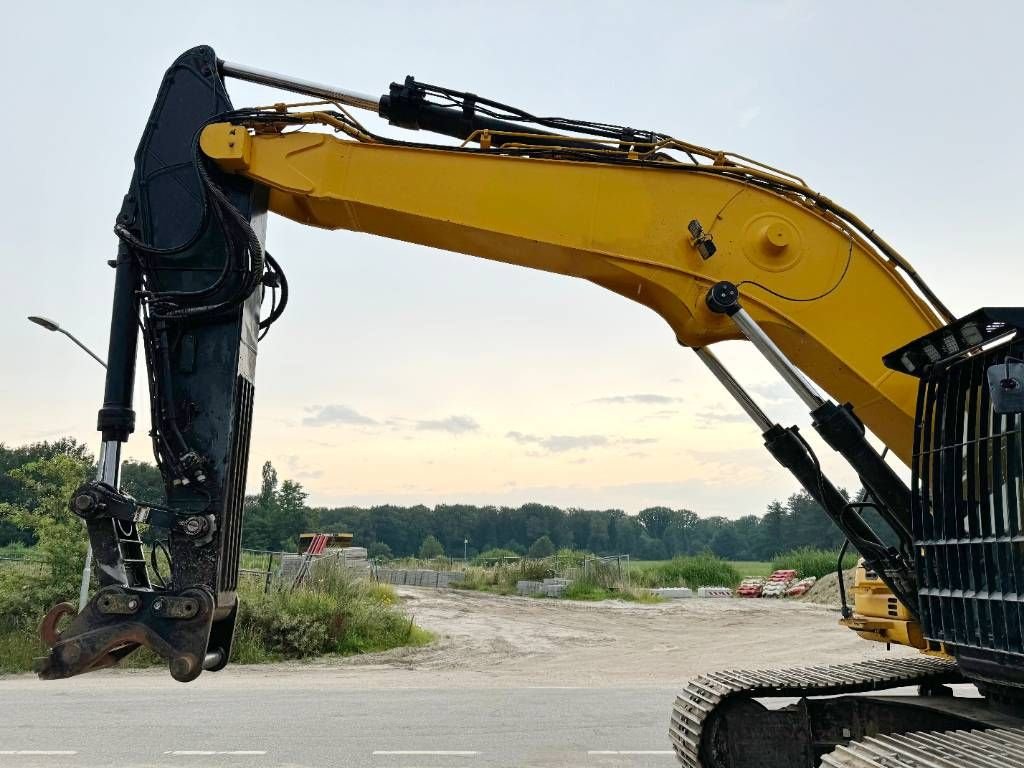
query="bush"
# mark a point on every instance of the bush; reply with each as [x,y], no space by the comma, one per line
[491,556]
[689,571]
[333,612]
[571,558]
[808,561]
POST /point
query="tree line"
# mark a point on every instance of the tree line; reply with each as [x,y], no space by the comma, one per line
[278,513]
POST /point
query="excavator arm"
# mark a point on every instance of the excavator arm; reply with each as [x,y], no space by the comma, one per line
[832,302]
[719,246]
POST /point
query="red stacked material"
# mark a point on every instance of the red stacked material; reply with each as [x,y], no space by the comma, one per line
[801,587]
[778,583]
[750,588]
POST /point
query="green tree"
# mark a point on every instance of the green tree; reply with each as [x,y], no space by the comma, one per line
[379,551]
[142,480]
[431,548]
[541,548]
[60,536]
[14,491]
[655,520]
[277,515]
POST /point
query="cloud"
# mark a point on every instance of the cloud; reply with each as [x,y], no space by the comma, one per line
[297,468]
[455,425]
[324,415]
[560,443]
[563,443]
[774,392]
[638,399]
[711,418]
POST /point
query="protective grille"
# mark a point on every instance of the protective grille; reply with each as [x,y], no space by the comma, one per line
[968,502]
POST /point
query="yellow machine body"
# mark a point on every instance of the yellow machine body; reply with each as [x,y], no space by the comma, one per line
[879,616]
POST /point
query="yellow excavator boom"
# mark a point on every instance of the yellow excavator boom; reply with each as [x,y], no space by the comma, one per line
[828,299]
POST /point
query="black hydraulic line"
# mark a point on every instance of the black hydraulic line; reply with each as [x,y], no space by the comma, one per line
[789,448]
[406,107]
[847,612]
[844,433]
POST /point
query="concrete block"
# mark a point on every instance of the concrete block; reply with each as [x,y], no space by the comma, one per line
[673,593]
[529,587]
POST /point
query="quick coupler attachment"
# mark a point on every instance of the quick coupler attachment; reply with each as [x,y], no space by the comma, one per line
[116,621]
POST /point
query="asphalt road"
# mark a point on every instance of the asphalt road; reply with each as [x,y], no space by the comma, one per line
[301,720]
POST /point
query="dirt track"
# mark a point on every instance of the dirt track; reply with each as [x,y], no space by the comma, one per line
[486,639]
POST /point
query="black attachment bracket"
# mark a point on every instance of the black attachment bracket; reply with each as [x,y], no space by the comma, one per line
[723,298]
[116,621]
[96,499]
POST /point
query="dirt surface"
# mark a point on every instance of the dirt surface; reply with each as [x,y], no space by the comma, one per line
[826,590]
[488,640]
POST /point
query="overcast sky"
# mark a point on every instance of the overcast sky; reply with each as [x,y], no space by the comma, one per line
[405,374]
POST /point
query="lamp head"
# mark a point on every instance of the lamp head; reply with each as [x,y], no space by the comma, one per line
[45,322]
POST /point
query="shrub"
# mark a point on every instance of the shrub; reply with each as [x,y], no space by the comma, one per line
[808,561]
[491,556]
[334,611]
[587,589]
[533,570]
[571,558]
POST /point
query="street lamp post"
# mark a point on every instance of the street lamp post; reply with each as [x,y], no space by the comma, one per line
[50,325]
[465,549]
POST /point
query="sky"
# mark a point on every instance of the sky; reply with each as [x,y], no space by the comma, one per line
[403,374]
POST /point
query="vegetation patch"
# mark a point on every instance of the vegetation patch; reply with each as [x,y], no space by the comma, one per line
[693,572]
[808,561]
[333,612]
[585,589]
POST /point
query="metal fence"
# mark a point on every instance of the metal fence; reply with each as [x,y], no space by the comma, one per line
[16,563]
[260,567]
[609,572]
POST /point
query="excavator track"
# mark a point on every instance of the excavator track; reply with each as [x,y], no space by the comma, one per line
[997,748]
[696,706]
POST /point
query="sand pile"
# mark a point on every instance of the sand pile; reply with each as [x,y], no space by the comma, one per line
[826,590]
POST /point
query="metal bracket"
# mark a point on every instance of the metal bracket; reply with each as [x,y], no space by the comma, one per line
[175,626]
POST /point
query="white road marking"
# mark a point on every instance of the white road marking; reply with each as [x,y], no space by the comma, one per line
[630,752]
[38,752]
[446,752]
[208,752]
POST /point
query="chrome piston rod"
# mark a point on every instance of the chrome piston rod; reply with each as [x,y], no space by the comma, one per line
[763,343]
[298,85]
[740,395]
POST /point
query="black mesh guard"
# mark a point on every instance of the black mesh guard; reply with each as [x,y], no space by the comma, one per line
[968,499]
